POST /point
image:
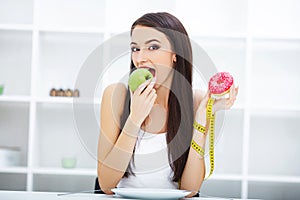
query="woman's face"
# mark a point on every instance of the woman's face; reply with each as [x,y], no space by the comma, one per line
[151,49]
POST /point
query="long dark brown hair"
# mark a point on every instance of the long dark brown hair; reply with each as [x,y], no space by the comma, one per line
[180,104]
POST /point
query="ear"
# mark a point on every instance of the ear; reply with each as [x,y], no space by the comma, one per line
[174,58]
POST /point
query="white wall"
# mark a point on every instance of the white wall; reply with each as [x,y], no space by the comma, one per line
[45,43]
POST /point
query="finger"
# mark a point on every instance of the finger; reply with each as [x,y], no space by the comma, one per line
[151,94]
[141,88]
[231,93]
[149,89]
[223,102]
[236,90]
[229,103]
[228,106]
[153,98]
[154,80]
[153,91]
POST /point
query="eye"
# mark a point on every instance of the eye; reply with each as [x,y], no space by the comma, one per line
[134,49]
[153,47]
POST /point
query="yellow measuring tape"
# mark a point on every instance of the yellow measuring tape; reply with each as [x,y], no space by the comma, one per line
[211,117]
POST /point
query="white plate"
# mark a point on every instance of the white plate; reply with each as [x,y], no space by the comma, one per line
[150,193]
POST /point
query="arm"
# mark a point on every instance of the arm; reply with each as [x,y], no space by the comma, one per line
[115,150]
[194,171]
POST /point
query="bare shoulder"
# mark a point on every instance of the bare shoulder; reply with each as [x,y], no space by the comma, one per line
[114,95]
[117,88]
[198,96]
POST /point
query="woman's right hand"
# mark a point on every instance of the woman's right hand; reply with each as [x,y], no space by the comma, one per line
[142,101]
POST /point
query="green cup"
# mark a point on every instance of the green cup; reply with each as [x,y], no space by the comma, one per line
[1,89]
[68,162]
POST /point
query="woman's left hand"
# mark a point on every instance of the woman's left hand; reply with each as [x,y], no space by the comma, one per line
[219,104]
[226,103]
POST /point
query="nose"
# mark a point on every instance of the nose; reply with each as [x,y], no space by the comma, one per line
[141,57]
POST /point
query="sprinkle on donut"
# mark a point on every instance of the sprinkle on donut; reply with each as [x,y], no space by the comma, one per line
[220,83]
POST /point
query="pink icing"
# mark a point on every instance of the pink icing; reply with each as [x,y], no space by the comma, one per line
[220,83]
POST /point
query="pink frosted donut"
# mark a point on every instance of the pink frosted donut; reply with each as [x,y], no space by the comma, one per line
[220,83]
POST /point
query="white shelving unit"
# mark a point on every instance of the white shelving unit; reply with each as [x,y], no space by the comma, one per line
[44,43]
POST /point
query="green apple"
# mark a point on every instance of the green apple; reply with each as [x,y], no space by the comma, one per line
[138,77]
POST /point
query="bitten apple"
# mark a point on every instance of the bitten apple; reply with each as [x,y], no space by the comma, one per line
[138,77]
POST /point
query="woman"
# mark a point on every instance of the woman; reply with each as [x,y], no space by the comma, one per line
[146,135]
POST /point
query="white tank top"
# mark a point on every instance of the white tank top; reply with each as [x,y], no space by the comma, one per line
[151,165]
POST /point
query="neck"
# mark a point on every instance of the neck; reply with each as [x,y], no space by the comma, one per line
[163,91]
[162,96]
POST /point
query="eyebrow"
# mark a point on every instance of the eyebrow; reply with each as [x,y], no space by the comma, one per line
[147,42]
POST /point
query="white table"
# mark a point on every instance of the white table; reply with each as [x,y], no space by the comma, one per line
[22,195]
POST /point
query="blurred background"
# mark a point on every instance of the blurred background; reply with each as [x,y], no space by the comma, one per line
[44,43]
